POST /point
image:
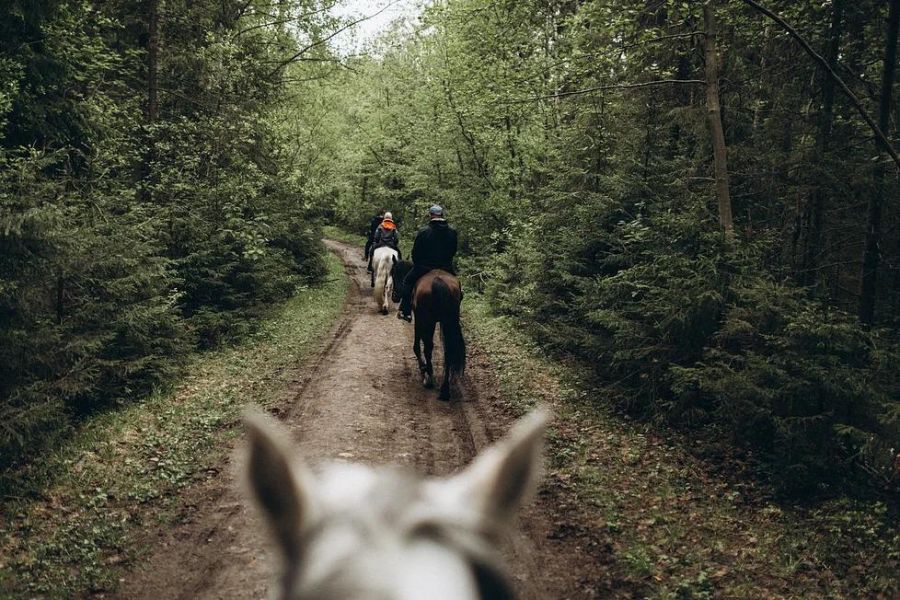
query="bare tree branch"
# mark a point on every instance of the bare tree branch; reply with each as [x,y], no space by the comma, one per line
[283,21]
[309,47]
[601,88]
[885,142]
[617,50]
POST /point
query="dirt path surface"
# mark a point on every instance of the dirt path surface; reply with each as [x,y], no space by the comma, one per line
[362,401]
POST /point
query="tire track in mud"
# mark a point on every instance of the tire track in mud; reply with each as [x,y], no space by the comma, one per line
[360,399]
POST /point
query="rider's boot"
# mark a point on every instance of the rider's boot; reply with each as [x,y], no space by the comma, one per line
[403,313]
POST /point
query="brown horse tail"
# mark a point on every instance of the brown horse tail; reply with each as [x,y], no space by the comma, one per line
[447,304]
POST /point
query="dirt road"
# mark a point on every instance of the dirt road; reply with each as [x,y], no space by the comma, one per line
[361,401]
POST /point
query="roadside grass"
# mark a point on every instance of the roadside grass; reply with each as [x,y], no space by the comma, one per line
[333,232]
[70,523]
[674,527]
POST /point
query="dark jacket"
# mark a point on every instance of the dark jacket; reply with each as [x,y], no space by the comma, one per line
[386,237]
[373,225]
[435,246]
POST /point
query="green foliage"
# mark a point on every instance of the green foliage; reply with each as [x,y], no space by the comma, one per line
[802,382]
[123,471]
[127,241]
[699,334]
[87,313]
[679,529]
[581,188]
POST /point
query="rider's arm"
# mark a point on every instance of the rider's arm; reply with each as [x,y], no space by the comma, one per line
[417,249]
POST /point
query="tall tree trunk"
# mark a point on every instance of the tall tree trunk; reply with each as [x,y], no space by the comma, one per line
[871,252]
[60,296]
[682,71]
[812,246]
[879,133]
[477,159]
[153,62]
[715,120]
[143,169]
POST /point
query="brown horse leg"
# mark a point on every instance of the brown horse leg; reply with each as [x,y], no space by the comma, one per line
[445,386]
[428,339]
[417,349]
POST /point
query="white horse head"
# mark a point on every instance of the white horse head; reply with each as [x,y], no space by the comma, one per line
[382,262]
[352,532]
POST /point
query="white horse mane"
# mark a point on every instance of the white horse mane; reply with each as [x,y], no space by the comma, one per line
[353,532]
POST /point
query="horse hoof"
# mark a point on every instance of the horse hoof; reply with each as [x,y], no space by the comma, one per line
[444,396]
[384,311]
[428,383]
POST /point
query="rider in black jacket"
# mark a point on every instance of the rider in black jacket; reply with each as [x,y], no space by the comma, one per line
[370,238]
[434,248]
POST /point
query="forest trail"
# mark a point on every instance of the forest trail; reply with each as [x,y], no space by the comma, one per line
[362,401]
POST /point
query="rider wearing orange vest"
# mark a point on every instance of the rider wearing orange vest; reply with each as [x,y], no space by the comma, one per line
[386,234]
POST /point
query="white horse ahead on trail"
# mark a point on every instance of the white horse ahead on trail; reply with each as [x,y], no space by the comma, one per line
[351,532]
[383,260]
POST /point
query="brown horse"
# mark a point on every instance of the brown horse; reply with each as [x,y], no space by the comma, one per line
[435,299]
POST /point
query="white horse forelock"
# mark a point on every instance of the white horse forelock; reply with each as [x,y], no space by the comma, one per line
[382,533]
[350,531]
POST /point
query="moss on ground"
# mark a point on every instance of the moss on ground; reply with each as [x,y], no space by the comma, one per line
[676,528]
[72,521]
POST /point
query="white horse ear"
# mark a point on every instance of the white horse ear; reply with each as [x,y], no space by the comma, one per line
[280,486]
[504,476]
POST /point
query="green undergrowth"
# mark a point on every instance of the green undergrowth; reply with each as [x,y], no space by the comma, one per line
[71,521]
[332,232]
[673,526]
